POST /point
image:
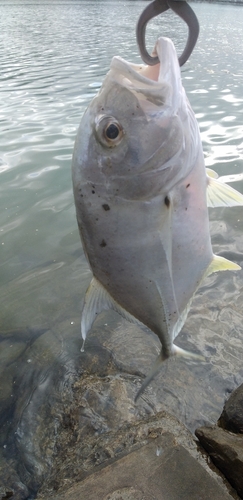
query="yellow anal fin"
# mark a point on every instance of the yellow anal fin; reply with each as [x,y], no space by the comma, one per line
[221,264]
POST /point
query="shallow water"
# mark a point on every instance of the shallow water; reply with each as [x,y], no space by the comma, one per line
[54,56]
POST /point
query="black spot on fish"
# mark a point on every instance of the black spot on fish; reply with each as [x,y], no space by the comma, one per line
[106,207]
[188,186]
[93,191]
[167,201]
[103,244]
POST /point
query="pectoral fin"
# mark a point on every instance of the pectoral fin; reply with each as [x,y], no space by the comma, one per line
[220,194]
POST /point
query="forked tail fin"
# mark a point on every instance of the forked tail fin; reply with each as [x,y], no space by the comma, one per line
[176,351]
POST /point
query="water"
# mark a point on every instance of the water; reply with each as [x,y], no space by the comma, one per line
[54,56]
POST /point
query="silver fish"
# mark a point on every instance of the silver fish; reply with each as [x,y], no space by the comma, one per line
[140,185]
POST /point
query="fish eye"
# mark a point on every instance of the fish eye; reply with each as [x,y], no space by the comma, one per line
[109,131]
[112,131]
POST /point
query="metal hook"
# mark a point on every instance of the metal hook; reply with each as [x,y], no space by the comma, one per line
[155,8]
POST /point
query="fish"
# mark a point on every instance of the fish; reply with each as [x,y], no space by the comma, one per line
[141,192]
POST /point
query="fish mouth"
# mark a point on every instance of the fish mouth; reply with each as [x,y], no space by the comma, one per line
[159,84]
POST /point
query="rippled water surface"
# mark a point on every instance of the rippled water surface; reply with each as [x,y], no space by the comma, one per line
[54,56]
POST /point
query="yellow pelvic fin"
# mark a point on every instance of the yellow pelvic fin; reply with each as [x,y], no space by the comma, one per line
[220,194]
[221,264]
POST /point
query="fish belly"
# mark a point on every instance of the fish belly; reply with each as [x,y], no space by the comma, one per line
[122,240]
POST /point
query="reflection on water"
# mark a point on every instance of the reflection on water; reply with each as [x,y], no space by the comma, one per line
[53,59]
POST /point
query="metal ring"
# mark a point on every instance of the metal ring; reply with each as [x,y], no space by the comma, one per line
[182,9]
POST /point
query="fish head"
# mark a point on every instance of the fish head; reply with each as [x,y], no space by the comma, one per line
[136,133]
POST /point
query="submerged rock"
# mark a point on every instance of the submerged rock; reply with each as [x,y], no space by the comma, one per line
[155,457]
[11,487]
[162,468]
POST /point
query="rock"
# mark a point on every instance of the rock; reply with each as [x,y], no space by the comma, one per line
[160,469]
[224,442]
[232,415]
[156,456]
[11,487]
[226,451]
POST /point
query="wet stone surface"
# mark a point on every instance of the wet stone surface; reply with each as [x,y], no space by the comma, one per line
[155,458]
[160,469]
[224,442]
[226,452]
[232,415]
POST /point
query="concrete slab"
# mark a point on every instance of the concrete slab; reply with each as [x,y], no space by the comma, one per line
[160,470]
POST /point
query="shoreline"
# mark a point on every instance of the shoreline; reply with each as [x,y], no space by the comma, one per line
[228,2]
